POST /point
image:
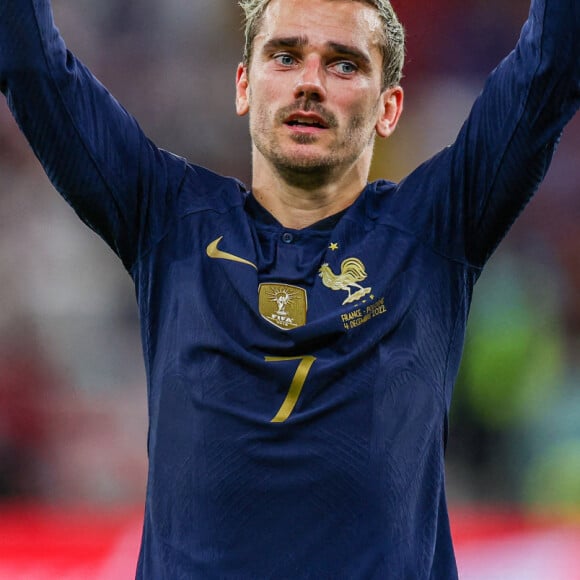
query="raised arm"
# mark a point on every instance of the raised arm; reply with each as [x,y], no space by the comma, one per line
[91,148]
[480,184]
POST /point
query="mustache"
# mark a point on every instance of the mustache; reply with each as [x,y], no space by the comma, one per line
[307,106]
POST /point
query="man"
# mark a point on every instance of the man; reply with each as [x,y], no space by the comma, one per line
[301,339]
[311,156]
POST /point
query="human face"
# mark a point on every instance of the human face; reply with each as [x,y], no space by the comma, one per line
[313,88]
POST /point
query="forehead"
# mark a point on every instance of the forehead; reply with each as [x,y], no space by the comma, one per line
[349,22]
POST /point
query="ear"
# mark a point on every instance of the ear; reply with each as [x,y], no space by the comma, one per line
[392,107]
[242,91]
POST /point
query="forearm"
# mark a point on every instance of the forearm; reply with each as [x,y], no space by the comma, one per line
[26,27]
[480,184]
[548,57]
[506,146]
[555,26]
[92,150]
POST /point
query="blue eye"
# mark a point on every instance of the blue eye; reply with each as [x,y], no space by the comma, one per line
[345,67]
[284,59]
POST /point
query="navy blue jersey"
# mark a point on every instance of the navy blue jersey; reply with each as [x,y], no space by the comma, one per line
[299,381]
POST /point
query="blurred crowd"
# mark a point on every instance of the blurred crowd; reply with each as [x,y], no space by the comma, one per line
[72,388]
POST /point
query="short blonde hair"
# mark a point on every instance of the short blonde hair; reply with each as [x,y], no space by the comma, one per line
[392,46]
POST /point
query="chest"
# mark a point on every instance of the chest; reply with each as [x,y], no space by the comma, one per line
[293,309]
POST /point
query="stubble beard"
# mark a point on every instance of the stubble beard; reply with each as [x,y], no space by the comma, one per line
[308,170]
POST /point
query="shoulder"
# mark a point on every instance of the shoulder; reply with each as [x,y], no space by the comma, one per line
[200,189]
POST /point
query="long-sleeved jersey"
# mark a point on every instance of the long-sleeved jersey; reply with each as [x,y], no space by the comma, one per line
[299,381]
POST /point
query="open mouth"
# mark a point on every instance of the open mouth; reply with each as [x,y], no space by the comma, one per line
[306,122]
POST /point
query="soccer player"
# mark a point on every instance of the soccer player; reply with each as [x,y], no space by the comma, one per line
[301,337]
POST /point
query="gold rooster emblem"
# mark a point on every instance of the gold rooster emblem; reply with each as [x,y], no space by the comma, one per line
[352,271]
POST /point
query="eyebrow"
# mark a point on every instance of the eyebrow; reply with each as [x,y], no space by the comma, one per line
[351,51]
[301,41]
[284,42]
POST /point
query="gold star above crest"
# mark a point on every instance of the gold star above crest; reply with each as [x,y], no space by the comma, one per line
[333,246]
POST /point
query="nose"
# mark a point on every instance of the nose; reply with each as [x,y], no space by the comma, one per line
[311,81]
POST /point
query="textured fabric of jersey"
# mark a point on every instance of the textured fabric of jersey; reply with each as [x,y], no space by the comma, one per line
[298,380]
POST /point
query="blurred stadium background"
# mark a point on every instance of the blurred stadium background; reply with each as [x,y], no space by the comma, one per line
[72,390]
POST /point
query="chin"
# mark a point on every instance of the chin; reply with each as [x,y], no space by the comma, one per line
[304,162]
[306,171]
[305,155]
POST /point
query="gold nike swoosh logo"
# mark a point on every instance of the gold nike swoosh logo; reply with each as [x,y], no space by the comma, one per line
[213,252]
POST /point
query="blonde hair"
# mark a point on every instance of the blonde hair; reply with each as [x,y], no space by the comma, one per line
[392,45]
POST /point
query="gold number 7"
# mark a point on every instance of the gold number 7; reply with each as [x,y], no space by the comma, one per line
[295,386]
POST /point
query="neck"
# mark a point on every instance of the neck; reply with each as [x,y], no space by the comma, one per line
[300,199]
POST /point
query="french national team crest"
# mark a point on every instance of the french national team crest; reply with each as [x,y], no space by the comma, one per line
[283,305]
[352,271]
